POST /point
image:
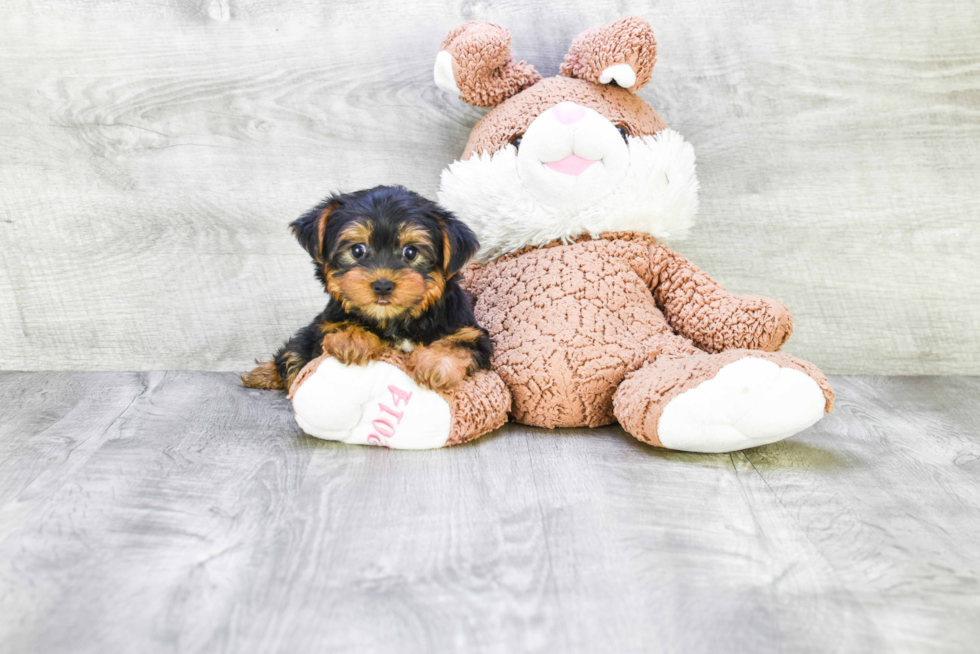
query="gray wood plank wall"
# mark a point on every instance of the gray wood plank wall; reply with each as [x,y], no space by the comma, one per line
[151,155]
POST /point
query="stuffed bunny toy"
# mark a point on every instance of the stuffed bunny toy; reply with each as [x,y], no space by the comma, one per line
[571,184]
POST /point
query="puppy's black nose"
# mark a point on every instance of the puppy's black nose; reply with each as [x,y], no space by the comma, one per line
[383,286]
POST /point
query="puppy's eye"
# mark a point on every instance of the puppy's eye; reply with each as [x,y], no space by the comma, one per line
[516,141]
[410,252]
[358,250]
[622,132]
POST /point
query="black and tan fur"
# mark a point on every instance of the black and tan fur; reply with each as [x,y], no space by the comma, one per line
[390,261]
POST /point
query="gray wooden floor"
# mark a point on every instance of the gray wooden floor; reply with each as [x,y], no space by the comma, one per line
[180,512]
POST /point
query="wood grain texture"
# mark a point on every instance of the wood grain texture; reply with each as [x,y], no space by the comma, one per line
[180,512]
[152,154]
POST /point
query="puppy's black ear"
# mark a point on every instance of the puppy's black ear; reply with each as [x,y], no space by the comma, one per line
[311,227]
[459,243]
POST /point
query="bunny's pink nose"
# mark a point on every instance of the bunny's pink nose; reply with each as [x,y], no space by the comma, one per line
[568,112]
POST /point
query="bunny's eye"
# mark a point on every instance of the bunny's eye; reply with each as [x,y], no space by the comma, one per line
[516,141]
[623,132]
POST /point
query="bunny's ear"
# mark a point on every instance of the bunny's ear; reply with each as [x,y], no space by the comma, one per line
[474,62]
[623,53]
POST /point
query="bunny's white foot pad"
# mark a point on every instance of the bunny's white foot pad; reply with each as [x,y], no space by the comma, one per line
[374,404]
[750,402]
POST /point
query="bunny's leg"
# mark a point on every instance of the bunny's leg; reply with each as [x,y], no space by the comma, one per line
[723,402]
[379,404]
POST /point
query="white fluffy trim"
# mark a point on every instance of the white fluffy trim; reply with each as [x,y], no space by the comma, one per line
[657,196]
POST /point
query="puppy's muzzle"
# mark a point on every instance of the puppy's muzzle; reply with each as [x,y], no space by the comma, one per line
[383,288]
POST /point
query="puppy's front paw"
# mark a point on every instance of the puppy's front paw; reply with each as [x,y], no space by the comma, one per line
[439,368]
[353,346]
[350,355]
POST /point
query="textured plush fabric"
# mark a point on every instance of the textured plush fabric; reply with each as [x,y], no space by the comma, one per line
[303,375]
[511,118]
[699,308]
[477,405]
[569,322]
[489,194]
[629,40]
[485,72]
[603,324]
[641,398]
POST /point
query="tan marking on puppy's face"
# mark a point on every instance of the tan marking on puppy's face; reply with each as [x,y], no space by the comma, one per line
[356,292]
[353,234]
[434,288]
[340,255]
[414,235]
[402,253]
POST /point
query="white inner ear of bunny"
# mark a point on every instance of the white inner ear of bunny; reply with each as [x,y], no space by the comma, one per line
[622,74]
[657,194]
[443,73]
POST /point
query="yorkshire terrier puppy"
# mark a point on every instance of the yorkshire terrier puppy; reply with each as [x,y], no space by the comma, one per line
[390,261]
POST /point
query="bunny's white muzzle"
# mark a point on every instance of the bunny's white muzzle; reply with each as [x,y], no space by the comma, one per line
[570,156]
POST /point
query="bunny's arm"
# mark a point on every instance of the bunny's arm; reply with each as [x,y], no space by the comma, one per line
[698,307]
